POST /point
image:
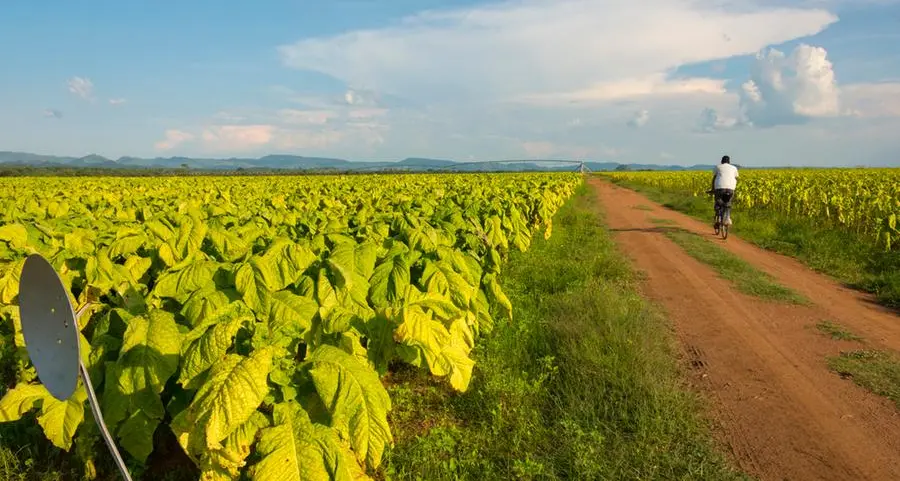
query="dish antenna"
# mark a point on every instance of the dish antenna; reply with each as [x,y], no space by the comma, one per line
[51,338]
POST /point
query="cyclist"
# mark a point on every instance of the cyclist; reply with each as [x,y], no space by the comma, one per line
[724,182]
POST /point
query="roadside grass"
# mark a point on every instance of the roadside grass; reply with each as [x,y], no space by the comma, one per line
[643,207]
[850,259]
[658,221]
[745,277]
[583,384]
[877,371]
[836,331]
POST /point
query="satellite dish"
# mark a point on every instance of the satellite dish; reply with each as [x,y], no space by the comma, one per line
[49,327]
[51,338]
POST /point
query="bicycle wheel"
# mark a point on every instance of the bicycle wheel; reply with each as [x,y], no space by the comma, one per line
[718,222]
[725,211]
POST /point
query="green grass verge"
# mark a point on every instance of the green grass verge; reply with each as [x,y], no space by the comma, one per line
[745,277]
[657,221]
[836,331]
[877,371]
[850,259]
[581,385]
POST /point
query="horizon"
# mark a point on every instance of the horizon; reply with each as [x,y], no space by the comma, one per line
[681,165]
[799,83]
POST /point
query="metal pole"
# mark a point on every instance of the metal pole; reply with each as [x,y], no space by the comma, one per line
[95,409]
[98,416]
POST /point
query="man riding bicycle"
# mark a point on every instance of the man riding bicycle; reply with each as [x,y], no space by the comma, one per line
[723,184]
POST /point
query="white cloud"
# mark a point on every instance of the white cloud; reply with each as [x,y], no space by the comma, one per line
[82,87]
[880,99]
[285,129]
[525,48]
[656,85]
[173,139]
[53,113]
[712,121]
[788,89]
[360,97]
[236,138]
[118,101]
[793,89]
[640,119]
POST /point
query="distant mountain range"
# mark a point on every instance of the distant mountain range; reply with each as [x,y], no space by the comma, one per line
[295,162]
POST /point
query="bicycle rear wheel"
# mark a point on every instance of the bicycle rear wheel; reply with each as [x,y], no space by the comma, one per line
[717,225]
[726,214]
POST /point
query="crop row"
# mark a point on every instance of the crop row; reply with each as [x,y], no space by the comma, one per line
[254,317]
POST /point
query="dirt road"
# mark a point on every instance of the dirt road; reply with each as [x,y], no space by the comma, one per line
[760,364]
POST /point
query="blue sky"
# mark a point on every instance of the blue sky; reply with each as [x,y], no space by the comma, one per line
[802,82]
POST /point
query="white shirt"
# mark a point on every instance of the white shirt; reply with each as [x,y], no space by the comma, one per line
[726,176]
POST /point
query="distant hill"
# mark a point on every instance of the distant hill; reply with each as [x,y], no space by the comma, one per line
[296,162]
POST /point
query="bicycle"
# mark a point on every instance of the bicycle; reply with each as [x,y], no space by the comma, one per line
[723,212]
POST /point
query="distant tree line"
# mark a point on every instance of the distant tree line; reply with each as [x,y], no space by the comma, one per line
[57,171]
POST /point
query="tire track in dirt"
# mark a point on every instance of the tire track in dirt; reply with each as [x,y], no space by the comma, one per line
[761,364]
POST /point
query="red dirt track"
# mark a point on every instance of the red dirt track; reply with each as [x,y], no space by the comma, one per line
[760,364]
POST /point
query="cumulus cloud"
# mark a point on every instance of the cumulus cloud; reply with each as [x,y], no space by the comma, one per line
[790,89]
[53,113]
[82,87]
[640,119]
[173,138]
[515,49]
[796,88]
[712,121]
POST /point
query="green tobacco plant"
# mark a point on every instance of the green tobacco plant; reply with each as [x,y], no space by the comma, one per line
[254,327]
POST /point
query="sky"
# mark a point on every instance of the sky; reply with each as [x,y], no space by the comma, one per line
[768,82]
